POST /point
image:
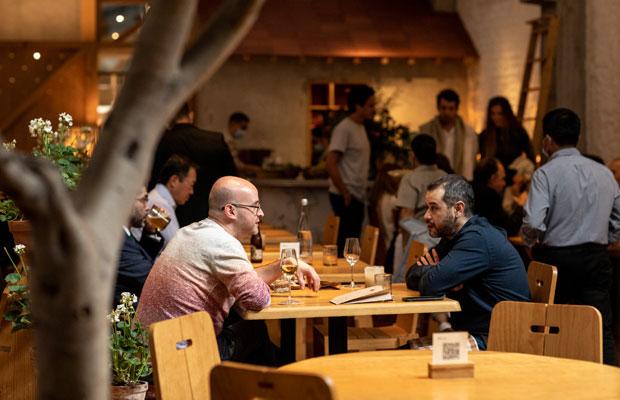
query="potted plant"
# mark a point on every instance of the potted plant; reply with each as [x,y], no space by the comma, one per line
[129,344]
[51,144]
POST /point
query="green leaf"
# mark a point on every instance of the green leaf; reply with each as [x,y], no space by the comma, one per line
[12,278]
[17,288]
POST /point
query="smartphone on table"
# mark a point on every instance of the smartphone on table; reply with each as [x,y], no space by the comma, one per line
[423,298]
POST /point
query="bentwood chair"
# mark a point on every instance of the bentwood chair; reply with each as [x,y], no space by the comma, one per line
[183,351]
[246,382]
[330,230]
[556,330]
[542,279]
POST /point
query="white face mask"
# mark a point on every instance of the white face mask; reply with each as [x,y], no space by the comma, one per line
[239,134]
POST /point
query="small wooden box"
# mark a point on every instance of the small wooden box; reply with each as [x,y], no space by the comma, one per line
[449,371]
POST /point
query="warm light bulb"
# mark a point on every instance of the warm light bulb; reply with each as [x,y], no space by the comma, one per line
[120,18]
[36,55]
[115,35]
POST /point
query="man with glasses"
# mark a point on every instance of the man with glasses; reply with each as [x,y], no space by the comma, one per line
[205,268]
[572,213]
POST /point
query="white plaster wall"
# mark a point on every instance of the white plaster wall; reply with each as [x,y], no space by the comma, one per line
[38,20]
[274,93]
[500,33]
[603,78]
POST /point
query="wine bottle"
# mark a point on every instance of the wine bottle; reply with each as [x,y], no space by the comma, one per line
[304,234]
[256,247]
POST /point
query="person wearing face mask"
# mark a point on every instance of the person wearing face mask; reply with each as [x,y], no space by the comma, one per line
[474,263]
[571,215]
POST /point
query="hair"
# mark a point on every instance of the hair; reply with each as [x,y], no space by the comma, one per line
[238,117]
[425,149]
[563,126]
[183,112]
[358,96]
[513,125]
[485,169]
[384,183]
[456,189]
[449,95]
[175,165]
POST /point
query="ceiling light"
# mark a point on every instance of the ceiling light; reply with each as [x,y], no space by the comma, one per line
[115,35]
[120,18]
[36,55]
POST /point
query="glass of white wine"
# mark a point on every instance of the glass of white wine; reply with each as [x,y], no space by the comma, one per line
[288,265]
[352,255]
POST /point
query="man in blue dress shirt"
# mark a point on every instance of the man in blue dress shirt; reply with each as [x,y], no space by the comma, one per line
[473,263]
[572,214]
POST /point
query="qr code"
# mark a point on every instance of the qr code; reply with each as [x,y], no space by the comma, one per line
[451,351]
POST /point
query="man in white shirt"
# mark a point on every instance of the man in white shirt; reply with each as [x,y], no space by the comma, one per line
[175,185]
[348,161]
[456,140]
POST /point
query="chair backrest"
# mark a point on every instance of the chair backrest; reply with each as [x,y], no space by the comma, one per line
[245,382]
[330,230]
[370,238]
[416,250]
[580,333]
[183,351]
[542,279]
[556,330]
[511,327]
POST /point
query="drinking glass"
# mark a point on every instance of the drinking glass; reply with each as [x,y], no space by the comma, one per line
[352,254]
[157,218]
[288,265]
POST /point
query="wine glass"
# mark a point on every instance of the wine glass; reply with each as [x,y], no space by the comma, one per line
[288,265]
[352,254]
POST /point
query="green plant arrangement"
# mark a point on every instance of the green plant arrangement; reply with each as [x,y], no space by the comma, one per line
[129,344]
[18,308]
[388,137]
[51,145]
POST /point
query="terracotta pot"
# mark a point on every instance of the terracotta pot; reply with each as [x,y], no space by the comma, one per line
[130,392]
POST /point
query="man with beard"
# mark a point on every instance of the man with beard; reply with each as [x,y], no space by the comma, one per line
[473,263]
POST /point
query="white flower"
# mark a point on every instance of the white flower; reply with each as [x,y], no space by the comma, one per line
[113,316]
[65,119]
[9,146]
[19,249]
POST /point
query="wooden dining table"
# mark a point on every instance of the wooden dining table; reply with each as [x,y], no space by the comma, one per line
[317,304]
[402,374]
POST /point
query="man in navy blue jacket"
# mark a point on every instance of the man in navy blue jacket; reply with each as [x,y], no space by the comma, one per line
[473,263]
[136,258]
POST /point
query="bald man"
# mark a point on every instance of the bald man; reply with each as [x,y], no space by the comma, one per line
[205,268]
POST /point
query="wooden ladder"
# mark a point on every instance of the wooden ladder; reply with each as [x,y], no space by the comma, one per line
[545,31]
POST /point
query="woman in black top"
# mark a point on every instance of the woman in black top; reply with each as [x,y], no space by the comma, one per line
[504,137]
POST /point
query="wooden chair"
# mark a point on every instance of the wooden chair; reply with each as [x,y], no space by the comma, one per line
[556,330]
[416,250]
[246,382]
[183,351]
[369,240]
[330,230]
[511,327]
[542,279]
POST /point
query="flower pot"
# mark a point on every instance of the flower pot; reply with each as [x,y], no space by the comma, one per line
[130,392]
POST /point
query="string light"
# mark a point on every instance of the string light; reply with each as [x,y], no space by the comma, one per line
[120,18]
[36,55]
[115,35]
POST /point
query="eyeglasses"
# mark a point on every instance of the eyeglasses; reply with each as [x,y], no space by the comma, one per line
[256,207]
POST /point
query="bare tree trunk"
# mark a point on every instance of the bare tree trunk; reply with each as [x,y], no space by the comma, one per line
[77,236]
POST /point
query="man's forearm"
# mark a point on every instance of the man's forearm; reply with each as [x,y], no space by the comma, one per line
[269,272]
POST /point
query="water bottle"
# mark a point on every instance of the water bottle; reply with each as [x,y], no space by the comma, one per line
[304,234]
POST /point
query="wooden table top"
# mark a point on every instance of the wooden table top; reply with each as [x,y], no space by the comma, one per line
[333,273]
[402,374]
[316,304]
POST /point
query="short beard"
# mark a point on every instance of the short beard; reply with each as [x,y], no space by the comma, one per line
[448,227]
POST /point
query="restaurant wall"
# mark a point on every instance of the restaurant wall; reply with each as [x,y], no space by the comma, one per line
[274,93]
[500,33]
[35,20]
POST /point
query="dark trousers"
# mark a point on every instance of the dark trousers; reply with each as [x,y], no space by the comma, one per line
[351,218]
[247,342]
[584,277]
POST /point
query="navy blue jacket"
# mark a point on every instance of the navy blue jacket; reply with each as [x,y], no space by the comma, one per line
[482,259]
